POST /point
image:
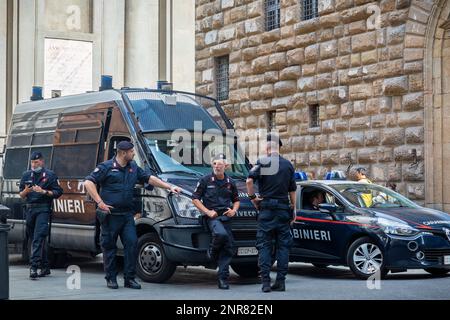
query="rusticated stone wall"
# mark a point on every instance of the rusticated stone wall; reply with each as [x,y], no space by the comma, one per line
[360,61]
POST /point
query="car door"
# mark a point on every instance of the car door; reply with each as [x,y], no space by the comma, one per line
[316,235]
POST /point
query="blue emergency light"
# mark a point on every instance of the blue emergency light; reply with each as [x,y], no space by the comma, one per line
[335,175]
[106,83]
[164,85]
[36,94]
[300,176]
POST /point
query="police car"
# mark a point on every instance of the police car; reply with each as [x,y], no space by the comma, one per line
[369,228]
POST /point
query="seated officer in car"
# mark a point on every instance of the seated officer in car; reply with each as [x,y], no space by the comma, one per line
[213,197]
[314,199]
[276,205]
[117,178]
[38,186]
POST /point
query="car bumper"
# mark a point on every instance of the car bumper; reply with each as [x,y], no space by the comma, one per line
[423,251]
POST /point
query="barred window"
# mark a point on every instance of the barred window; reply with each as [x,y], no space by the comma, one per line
[222,77]
[310,9]
[314,116]
[272,14]
[271,125]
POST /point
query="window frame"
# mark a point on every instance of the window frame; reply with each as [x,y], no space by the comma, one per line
[272,14]
[222,77]
[310,9]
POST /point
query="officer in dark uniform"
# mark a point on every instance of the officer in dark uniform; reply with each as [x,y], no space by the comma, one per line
[276,203]
[38,186]
[213,197]
[117,178]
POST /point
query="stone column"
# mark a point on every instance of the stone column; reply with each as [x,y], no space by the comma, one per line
[113,38]
[3,70]
[27,39]
[183,45]
[141,43]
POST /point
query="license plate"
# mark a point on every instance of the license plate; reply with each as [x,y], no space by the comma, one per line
[446,260]
[247,251]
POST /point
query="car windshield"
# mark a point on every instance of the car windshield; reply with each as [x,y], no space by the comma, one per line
[192,155]
[365,195]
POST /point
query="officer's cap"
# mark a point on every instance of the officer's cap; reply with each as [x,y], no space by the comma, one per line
[36,155]
[274,138]
[219,156]
[125,146]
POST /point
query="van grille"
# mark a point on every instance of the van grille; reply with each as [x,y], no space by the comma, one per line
[244,235]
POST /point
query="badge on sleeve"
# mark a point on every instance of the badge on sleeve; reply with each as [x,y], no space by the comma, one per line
[96,170]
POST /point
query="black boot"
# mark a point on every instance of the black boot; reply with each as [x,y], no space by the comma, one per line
[112,284]
[33,274]
[266,287]
[132,284]
[44,272]
[223,284]
[279,285]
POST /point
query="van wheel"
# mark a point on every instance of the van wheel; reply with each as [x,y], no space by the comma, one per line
[152,264]
[437,271]
[365,258]
[246,270]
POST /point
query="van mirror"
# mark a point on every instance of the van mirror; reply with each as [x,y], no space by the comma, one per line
[330,208]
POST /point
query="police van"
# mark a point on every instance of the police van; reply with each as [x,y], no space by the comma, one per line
[75,133]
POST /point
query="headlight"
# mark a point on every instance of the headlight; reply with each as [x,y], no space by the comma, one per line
[396,228]
[184,207]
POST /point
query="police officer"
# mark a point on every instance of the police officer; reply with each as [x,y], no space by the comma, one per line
[117,178]
[38,186]
[276,203]
[213,197]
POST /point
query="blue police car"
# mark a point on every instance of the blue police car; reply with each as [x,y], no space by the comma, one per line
[368,228]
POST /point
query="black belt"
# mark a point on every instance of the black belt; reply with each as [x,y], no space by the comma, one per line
[277,201]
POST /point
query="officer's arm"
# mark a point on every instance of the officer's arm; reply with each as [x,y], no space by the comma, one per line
[250,186]
[55,189]
[154,181]
[24,189]
[91,189]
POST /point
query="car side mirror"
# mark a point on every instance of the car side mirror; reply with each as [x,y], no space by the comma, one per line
[329,208]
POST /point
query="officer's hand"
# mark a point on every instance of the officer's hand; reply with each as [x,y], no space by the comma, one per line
[256,202]
[104,207]
[28,189]
[137,216]
[230,213]
[175,189]
[38,189]
[212,214]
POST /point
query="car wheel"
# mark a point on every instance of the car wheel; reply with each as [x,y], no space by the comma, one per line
[437,271]
[246,270]
[365,258]
[320,265]
[153,264]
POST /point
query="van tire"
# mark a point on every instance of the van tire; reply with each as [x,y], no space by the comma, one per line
[152,263]
[354,249]
[57,259]
[246,270]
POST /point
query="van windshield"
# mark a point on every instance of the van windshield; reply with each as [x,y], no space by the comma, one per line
[191,155]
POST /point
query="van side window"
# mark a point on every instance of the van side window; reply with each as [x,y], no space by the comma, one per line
[77,144]
[16,163]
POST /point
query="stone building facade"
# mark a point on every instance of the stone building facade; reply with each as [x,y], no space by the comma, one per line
[377,72]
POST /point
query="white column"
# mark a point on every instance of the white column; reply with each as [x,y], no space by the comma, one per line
[183,45]
[3,71]
[113,37]
[26,60]
[141,43]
